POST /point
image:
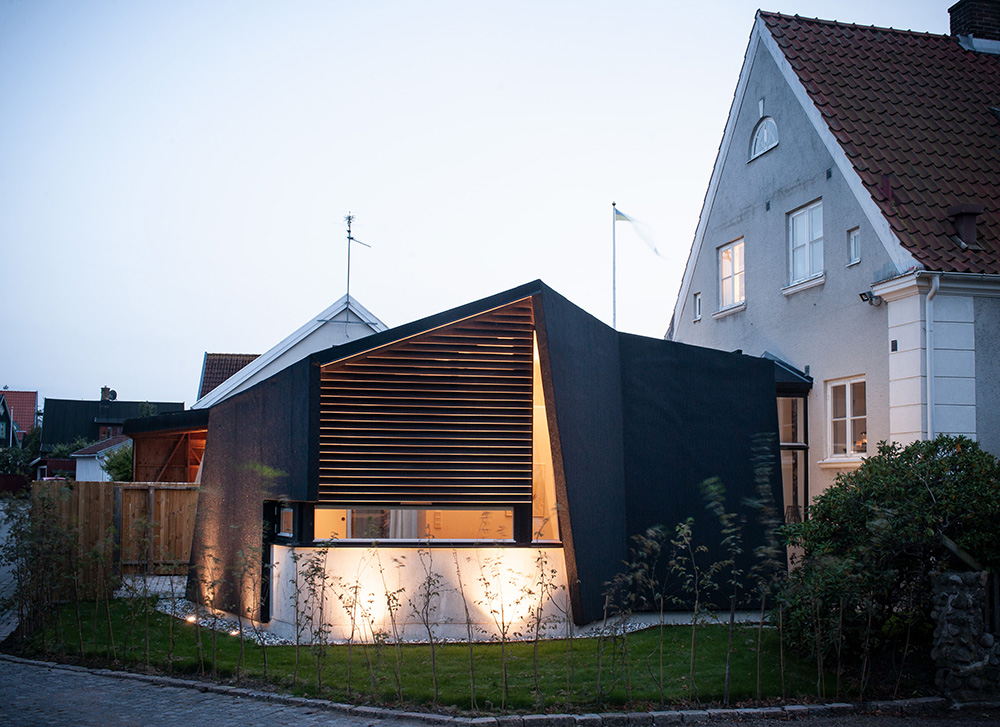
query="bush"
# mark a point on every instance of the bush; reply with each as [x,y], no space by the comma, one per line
[873,540]
[118,464]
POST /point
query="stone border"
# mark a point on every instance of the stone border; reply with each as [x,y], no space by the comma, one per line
[899,707]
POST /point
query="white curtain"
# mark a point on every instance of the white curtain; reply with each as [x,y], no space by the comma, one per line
[403,524]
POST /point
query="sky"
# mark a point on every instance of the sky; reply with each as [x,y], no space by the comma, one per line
[174,175]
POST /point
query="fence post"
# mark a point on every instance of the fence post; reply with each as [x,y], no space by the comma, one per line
[151,500]
[116,518]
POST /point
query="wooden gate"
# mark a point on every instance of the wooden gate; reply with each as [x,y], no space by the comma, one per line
[155,524]
[148,525]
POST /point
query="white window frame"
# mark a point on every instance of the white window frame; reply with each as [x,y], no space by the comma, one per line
[766,131]
[812,246]
[853,246]
[696,306]
[850,417]
[736,278]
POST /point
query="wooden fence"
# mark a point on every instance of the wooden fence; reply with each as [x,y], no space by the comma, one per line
[146,526]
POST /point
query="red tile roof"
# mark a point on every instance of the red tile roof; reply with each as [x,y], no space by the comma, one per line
[102,445]
[23,405]
[220,366]
[912,113]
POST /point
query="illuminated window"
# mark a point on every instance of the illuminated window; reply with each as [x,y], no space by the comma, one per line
[805,243]
[848,417]
[731,289]
[765,137]
[286,522]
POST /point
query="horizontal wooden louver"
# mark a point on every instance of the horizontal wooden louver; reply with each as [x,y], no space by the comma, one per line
[443,418]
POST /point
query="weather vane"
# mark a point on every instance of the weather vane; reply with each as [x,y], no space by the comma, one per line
[349,218]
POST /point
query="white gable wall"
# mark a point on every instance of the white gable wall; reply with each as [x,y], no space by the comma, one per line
[344,327]
[826,328]
[344,321]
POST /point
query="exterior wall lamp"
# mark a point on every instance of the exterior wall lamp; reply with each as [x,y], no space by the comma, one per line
[870,298]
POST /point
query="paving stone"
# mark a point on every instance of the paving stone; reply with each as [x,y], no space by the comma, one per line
[640,719]
[921,705]
[614,719]
[664,718]
[841,708]
[721,714]
[694,715]
[589,720]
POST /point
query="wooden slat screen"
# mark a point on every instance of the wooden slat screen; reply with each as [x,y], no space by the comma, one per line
[443,418]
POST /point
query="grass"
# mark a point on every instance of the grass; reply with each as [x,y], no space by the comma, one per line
[567,681]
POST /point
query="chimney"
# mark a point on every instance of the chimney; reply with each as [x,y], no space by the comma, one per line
[105,393]
[978,18]
[963,217]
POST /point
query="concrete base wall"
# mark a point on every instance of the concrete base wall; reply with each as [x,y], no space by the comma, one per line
[347,592]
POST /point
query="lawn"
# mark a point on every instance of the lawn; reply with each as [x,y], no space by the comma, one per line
[582,675]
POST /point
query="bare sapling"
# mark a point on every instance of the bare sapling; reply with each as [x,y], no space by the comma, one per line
[732,542]
[545,588]
[393,597]
[503,609]
[468,632]
[425,606]
[696,581]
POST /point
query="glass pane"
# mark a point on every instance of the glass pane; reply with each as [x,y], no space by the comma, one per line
[727,292]
[859,434]
[793,478]
[738,257]
[855,245]
[790,420]
[838,402]
[799,269]
[858,399]
[816,222]
[840,437]
[740,293]
[816,257]
[799,229]
[726,262]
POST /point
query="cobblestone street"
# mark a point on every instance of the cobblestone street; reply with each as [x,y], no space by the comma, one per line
[32,695]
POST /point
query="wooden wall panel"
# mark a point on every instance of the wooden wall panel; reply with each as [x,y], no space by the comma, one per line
[170,457]
[440,418]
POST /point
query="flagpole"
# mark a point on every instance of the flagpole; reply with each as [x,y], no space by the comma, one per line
[614,269]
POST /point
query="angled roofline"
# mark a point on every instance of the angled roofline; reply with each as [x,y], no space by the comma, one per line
[760,35]
[423,325]
[93,450]
[227,387]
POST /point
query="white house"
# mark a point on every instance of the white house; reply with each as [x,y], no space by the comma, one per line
[851,229]
[344,321]
[89,460]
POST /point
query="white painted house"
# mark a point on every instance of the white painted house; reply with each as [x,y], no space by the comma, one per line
[851,229]
[90,460]
[344,321]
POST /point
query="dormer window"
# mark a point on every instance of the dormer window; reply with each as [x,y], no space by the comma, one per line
[765,137]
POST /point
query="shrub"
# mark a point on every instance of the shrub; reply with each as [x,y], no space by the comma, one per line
[873,540]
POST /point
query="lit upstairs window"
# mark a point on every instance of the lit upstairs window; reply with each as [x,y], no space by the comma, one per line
[731,286]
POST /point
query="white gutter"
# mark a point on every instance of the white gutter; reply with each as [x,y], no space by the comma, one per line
[929,352]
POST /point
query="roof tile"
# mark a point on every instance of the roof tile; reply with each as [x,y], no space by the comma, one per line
[220,366]
[915,107]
